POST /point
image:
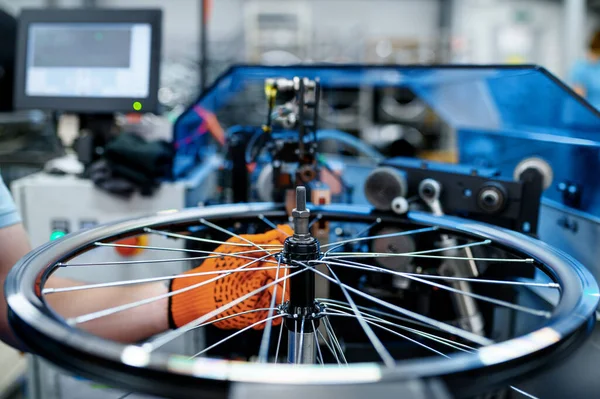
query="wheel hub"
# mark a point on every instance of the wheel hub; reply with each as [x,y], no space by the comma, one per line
[302,308]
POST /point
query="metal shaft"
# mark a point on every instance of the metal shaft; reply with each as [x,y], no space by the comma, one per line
[301,247]
[301,348]
[301,216]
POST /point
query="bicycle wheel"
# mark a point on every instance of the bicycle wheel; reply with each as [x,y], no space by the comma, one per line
[395,344]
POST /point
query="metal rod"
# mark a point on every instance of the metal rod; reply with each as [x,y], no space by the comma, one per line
[433,337]
[423,334]
[263,352]
[523,392]
[342,255]
[404,319]
[415,331]
[207,240]
[535,312]
[440,325]
[121,308]
[300,347]
[219,228]
[231,316]
[449,248]
[403,233]
[330,347]
[122,283]
[395,333]
[171,335]
[272,225]
[377,344]
[137,262]
[317,343]
[236,333]
[360,233]
[334,340]
[448,278]
[195,251]
[281,327]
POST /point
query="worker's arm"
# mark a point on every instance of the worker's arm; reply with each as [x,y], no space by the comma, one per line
[127,326]
[152,318]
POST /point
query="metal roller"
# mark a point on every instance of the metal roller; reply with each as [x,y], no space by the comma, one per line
[383,185]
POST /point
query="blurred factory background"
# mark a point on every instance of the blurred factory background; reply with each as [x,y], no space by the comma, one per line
[552,33]
[201,39]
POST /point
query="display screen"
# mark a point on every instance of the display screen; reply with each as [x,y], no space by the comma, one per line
[103,60]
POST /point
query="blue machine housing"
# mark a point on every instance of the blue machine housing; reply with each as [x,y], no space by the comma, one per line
[501,115]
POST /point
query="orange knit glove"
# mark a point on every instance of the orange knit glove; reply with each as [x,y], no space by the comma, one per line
[190,305]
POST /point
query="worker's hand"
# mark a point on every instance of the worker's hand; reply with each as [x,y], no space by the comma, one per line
[192,304]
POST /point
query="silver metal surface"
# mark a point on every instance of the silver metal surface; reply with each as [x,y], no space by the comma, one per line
[301,215]
[305,352]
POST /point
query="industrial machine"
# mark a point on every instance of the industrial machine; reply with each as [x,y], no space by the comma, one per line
[59,57]
[420,279]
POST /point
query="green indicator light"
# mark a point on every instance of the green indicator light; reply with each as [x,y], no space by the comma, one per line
[137,106]
[56,235]
[99,36]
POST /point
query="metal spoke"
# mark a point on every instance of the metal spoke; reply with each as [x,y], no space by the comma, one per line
[377,344]
[404,319]
[329,346]
[208,323]
[360,233]
[263,352]
[121,308]
[122,283]
[160,341]
[235,334]
[342,255]
[535,312]
[272,225]
[466,247]
[477,280]
[194,251]
[137,262]
[432,337]
[393,332]
[436,277]
[221,229]
[440,325]
[523,392]
[334,340]
[472,264]
[402,233]
[317,342]
[441,340]
[281,304]
[207,240]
